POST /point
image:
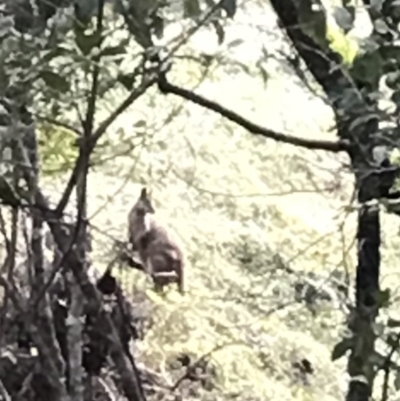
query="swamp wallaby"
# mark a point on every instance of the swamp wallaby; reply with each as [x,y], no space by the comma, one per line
[159,252]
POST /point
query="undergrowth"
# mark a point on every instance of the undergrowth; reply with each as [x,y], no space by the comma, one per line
[256,218]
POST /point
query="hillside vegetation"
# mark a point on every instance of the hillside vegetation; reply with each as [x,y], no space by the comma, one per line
[256,217]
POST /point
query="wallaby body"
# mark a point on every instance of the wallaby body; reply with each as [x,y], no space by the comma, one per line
[159,252]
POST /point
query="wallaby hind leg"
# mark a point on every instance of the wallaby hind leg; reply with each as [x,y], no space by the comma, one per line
[180,279]
[158,286]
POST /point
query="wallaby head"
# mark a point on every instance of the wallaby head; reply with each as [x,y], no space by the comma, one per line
[139,218]
[143,204]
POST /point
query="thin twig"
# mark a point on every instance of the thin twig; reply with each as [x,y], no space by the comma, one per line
[3,393]
[99,132]
[386,368]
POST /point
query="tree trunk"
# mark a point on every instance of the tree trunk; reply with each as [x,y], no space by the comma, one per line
[351,103]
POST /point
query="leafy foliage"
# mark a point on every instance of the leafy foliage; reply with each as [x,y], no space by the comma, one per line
[58,149]
[56,74]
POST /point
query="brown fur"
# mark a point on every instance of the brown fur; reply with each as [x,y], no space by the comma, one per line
[159,252]
[138,219]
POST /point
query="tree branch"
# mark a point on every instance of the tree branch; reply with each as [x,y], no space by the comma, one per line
[331,146]
[74,330]
[3,393]
[57,123]
[129,375]
[99,132]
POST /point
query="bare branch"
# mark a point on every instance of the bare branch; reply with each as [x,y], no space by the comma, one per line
[331,146]
[387,367]
[75,327]
[3,393]
[74,340]
[58,123]
[40,321]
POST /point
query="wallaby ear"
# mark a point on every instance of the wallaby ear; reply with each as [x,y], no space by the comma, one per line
[143,193]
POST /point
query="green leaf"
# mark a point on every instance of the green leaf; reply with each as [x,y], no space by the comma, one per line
[54,81]
[362,120]
[7,193]
[341,348]
[4,77]
[127,80]
[234,43]
[113,50]
[84,42]
[158,26]
[191,8]
[395,97]
[219,30]
[230,7]
[312,21]
[210,3]
[378,328]
[381,26]
[344,17]
[368,67]
[397,381]
[392,340]
[393,323]
[53,53]
[384,298]
[85,10]
[390,52]
[140,123]
[263,72]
